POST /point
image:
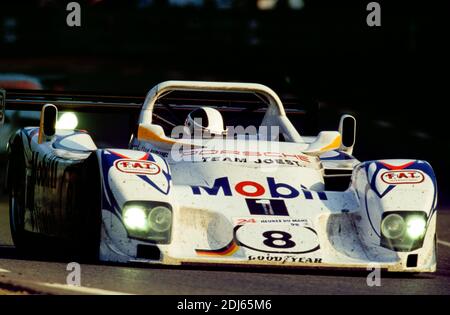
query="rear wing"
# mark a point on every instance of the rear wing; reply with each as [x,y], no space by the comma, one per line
[33,100]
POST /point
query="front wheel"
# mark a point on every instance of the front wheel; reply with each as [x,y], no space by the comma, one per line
[17,198]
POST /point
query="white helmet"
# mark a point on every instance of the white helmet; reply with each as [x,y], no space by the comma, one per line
[206,120]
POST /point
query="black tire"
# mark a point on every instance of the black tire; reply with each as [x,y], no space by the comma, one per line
[17,191]
[92,210]
[86,239]
[83,243]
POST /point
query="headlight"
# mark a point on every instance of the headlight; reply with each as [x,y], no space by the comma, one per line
[160,219]
[135,218]
[416,227]
[403,230]
[148,220]
[393,226]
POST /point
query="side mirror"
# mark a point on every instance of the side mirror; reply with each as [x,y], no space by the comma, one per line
[347,128]
[325,141]
[47,124]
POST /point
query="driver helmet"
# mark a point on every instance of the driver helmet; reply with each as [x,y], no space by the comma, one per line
[205,120]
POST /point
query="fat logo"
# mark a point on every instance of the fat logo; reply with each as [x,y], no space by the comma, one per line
[402,177]
[137,167]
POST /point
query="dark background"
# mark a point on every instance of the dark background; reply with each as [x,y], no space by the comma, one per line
[392,78]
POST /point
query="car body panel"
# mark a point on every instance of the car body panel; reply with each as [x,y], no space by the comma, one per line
[241,201]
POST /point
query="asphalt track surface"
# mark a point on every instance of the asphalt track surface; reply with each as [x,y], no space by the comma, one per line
[50,276]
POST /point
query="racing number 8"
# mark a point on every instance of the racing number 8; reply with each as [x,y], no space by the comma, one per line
[285,238]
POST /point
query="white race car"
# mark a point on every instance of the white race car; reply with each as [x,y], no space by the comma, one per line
[210,194]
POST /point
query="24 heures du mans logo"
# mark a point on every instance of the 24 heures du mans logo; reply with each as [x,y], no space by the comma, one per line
[137,167]
[402,177]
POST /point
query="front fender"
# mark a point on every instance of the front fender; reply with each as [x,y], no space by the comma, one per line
[394,186]
[397,184]
[129,175]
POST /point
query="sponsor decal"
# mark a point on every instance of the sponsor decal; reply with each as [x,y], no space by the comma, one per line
[242,221]
[270,239]
[281,239]
[144,147]
[285,259]
[227,250]
[160,153]
[276,220]
[266,161]
[254,189]
[402,177]
[137,167]
[273,155]
[267,206]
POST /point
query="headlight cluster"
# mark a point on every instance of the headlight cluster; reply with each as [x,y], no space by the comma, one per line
[147,220]
[403,230]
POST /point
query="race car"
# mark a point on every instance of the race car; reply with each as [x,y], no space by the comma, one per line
[212,193]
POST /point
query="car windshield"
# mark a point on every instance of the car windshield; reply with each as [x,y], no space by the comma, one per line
[240,111]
